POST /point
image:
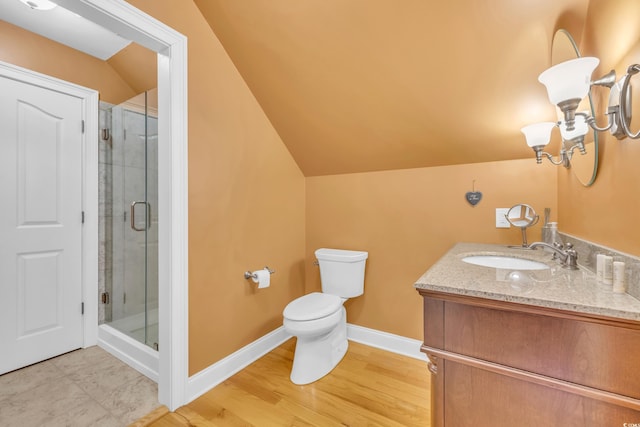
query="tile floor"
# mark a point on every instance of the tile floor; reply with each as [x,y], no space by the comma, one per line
[87,387]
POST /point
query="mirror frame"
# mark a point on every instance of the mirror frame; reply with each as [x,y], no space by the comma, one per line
[523,227]
[592,179]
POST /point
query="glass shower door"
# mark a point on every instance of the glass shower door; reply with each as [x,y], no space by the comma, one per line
[134,293]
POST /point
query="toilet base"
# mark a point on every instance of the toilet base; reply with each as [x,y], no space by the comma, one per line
[316,356]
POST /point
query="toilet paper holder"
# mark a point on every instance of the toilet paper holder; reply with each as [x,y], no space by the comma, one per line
[251,275]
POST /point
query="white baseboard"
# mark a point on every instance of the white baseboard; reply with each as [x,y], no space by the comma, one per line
[213,375]
[210,377]
[386,341]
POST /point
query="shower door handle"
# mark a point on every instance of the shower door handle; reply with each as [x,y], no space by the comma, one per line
[133,216]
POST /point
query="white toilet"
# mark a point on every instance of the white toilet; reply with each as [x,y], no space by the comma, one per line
[318,320]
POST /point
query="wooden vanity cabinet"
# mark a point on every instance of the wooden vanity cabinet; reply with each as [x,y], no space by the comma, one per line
[504,364]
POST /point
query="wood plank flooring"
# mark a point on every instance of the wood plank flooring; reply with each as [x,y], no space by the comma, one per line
[370,387]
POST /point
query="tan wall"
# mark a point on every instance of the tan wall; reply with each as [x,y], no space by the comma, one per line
[407,219]
[246,200]
[28,50]
[607,212]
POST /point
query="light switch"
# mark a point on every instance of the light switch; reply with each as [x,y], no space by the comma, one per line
[501,220]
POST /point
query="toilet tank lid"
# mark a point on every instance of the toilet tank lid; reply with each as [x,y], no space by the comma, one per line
[341,255]
[312,306]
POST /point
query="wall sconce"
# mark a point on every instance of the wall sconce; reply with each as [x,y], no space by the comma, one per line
[538,136]
[567,84]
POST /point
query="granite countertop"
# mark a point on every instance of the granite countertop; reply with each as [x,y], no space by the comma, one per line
[559,288]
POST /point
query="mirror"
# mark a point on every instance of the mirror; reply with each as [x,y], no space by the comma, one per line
[522,216]
[584,166]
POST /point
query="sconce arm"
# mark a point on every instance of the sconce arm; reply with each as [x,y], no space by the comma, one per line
[633,69]
[591,121]
[563,159]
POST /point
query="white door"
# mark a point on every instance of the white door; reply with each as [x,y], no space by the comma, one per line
[40,223]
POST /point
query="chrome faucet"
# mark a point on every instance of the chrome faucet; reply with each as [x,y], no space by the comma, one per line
[566,254]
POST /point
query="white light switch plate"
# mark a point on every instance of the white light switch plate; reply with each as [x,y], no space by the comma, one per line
[501,220]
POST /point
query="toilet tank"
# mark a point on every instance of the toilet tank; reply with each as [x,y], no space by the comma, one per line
[342,271]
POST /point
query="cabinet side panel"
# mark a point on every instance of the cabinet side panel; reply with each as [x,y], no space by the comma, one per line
[434,322]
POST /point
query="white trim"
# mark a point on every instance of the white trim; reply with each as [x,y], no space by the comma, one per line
[90,230]
[89,98]
[210,377]
[386,341]
[133,24]
[135,354]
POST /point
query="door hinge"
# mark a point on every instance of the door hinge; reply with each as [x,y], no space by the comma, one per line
[81,308]
[83,126]
[105,297]
[83,217]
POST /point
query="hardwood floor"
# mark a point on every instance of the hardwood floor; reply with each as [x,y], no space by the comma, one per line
[370,387]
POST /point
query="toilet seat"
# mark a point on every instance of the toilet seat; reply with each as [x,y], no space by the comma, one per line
[315,305]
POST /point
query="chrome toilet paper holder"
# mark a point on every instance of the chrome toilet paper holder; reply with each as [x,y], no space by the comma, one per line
[252,275]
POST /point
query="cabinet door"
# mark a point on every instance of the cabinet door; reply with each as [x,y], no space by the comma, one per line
[478,398]
[596,355]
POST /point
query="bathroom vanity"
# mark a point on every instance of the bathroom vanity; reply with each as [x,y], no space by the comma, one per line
[507,347]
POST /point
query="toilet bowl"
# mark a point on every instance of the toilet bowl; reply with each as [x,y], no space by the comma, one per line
[321,335]
[319,320]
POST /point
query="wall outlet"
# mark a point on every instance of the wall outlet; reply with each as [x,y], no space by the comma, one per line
[501,220]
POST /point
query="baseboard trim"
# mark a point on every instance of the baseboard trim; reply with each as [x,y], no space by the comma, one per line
[386,341]
[213,375]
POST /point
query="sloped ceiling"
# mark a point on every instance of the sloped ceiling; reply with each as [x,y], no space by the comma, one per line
[137,66]
[366,85]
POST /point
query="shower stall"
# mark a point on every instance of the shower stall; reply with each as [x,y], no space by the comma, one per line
[128,232]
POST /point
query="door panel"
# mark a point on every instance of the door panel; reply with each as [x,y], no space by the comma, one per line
[38,166]
[40,223]
[38,289]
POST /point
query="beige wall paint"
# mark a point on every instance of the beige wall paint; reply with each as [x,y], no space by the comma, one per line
[607,212]
[138,66]
[246,200]
[28,50]
[407,219]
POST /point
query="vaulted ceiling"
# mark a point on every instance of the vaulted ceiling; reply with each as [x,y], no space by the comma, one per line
[365,85]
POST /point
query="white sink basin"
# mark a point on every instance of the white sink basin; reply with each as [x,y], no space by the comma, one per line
[506,262]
